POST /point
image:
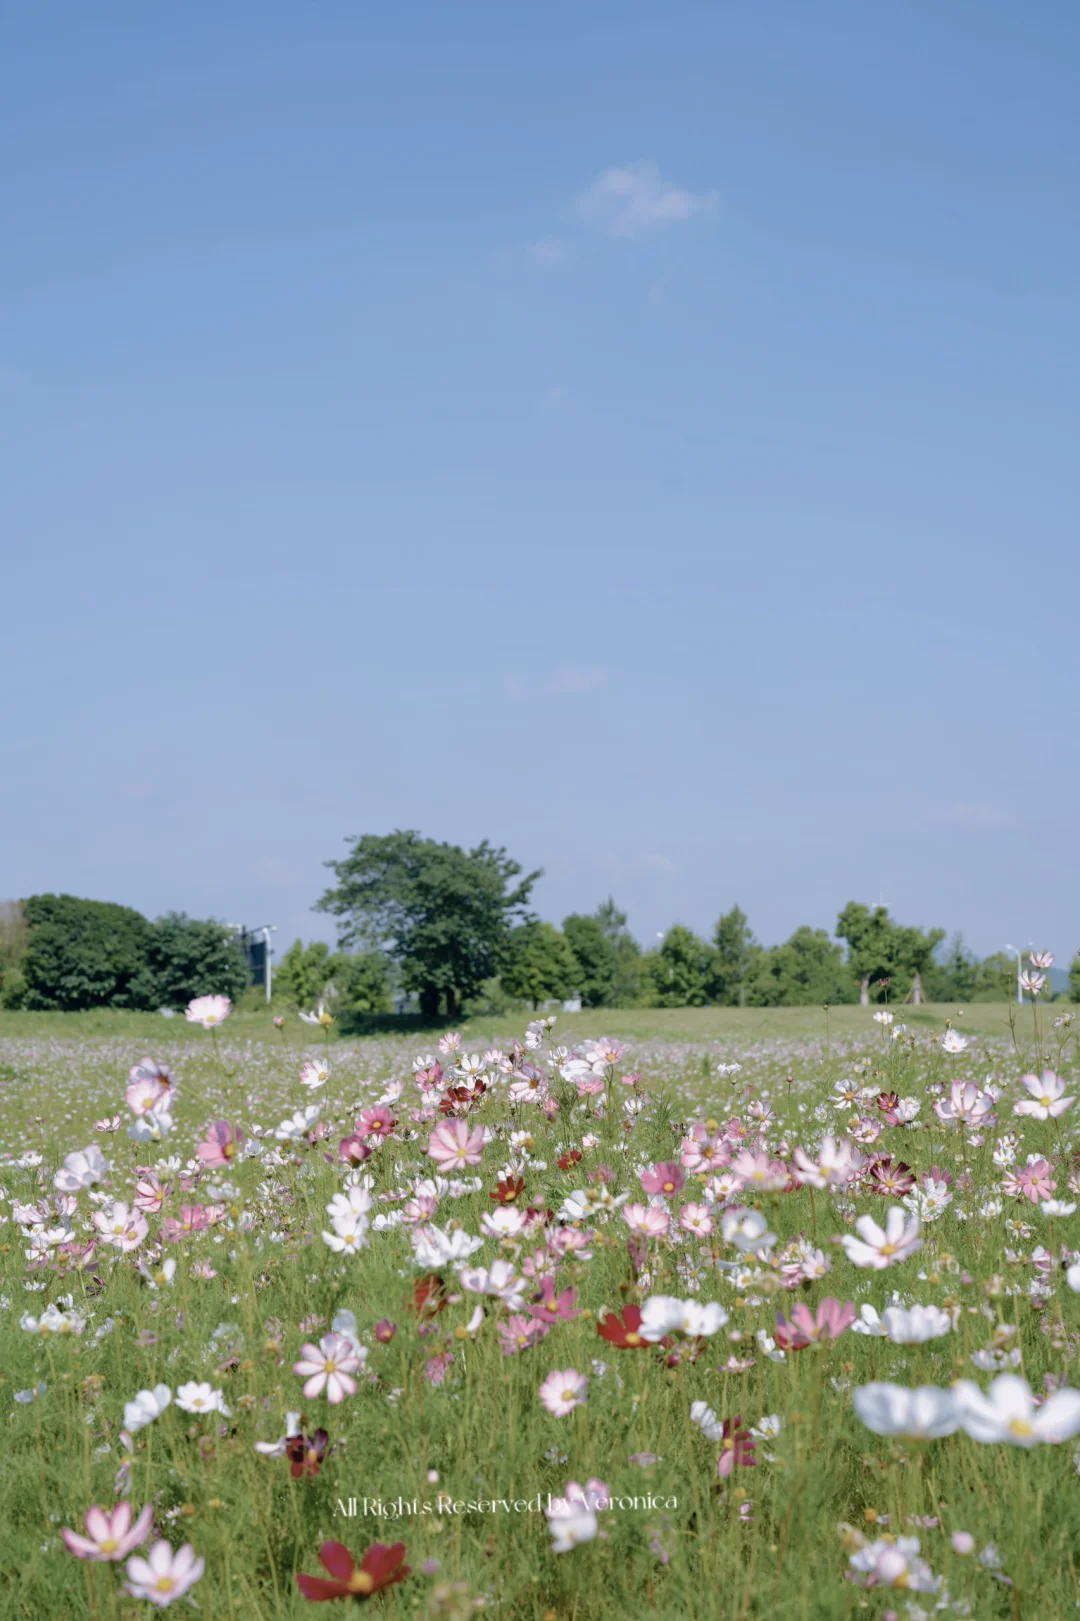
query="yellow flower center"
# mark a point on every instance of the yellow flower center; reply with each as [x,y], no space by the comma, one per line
[110,1545]
[330,1367]
[360,1582]
[164,1584]
[888,1249]
[633,1339]
[1021,1428]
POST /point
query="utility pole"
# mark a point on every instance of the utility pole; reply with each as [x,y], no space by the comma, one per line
[1019,955]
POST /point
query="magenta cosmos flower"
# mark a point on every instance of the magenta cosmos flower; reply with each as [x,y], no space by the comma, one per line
[666,1178]
[564,1390]
[164,1575]
[221,1144]
[109,1535]
[208,1011]
[453,1146]
[329,1365]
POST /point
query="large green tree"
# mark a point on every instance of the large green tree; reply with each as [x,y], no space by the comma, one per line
[679,971]
[538,964]
[734,951]
[189,956]
[880,949]
[441,913]
[807,969]
[598,964]
[85,954]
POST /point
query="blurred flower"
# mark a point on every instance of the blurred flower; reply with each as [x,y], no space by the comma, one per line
[164,1575]
[563,1390]
[207,1011]
[109,1533]
[380,1567]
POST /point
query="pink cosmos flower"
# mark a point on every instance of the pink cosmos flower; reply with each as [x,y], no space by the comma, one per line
[966,1105]
[759,1171]
[207,1011]
[329,1365]
[519,1332]
[150,1193]
[221,1144]
[453,1146]
[109,1535]
[1034,1181]
[385,1330]
[553,1308]
[666,1178]
[353,1149]
[149,1087]
[564,1390]
[736,1448]
[696,1218]
[124,1229]
[646,1218]
[437,1367]
[164,1575]
[108,1124]
[805,1329]
[377,1122]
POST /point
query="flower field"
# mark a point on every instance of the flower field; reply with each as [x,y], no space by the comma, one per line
[542,1327]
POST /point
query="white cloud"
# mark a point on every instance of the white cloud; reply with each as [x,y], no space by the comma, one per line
[548,252]
[627,202]
[567,682]
[970,816]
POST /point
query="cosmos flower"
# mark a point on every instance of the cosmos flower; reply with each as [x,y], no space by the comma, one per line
[953,1042]
[122,1228]
[894,1563]
[666,1178]
[651,1220]
[110,1535]
[82,1169]
[146,1406]
[879,1248]
[453,1146]
[164,1575]
[221,1145]
[200,1398]
[664,1314]
[380,1567]
[563,1390]
[1047,1098]
[1008,1412]
[321,1017]
[328,1366]
[315,1073]
[919,1415]
[966,1104]
[207,1011]
[807,1329]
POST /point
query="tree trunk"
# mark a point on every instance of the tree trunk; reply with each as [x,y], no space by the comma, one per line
[429,1004]
[864,991]
[916,990]
[452,1007]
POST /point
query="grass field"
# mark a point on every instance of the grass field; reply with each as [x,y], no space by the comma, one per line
[732,1469]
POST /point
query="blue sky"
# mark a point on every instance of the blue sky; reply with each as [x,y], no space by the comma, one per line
[641,435]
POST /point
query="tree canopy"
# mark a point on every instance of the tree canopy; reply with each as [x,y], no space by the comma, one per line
[441,913]
[538,964]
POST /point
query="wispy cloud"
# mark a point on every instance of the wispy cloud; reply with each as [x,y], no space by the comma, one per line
[550,251]
[628,202]
[970,816]
[568,682]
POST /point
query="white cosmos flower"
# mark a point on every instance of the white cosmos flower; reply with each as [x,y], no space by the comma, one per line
[503,1222]
[200,1398]
[315,1073]
[879,1248]
[914,1325]
[706,1420]
[747,1230]
[433,1247]
[868,1322]
[1008,1412]
[81,1170]
[664,1314]
[1047,1098]
[953,1042]
[920,1414]
[1072,1277]
[499,1279]
[146,1406]
[298,1125]
[151,1126]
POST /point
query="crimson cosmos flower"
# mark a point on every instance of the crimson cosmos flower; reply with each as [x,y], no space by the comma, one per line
[380,1567]
[306,1453]
[885,1177]
[623,1331]
[509,1188]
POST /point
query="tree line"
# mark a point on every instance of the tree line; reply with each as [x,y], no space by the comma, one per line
[453,931]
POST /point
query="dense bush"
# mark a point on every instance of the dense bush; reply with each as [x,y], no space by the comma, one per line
[188,957]
[85,954]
